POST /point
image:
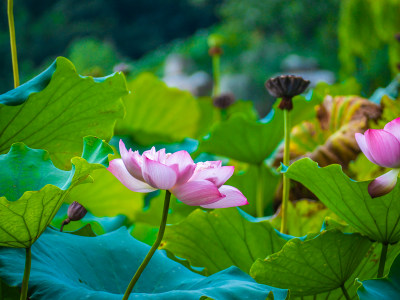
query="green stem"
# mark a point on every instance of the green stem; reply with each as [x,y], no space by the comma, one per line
[260,193]
[152,249]
[216,74]
[286,161]
[345,293]
[382,260]
[13,42]
[25,280]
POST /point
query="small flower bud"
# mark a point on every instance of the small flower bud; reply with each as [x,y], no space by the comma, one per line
[75,212]
[224,100]
[286,87]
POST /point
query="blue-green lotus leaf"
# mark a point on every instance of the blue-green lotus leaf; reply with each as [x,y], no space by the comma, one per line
[32,189]
[66,266]
[56,116]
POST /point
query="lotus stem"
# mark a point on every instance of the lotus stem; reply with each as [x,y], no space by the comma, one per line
[27,271]
[345,293]
[153,248]
[260,193]
[382,260]
[286,162]
[13,42]
[216,74]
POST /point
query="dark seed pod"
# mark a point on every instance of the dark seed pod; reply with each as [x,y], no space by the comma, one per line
[224,100]
[75,212]
[286,87]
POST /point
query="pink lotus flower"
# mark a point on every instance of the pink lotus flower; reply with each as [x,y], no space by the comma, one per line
[382,147]
[193,184]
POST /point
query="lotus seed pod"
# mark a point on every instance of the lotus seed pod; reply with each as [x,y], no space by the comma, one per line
[286,87]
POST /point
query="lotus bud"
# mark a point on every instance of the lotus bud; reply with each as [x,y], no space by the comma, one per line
[76,212]
[286,87]
[224,100]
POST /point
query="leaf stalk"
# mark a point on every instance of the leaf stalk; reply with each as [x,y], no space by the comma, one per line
[153,248]
[286,162]
[27,271]
[382,260]
[13,43]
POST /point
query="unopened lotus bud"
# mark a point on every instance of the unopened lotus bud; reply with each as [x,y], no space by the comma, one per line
[75,212]
[286,87]
[224,100]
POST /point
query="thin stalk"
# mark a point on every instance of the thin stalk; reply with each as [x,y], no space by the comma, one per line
[216,74]
[152,249]
[345,293]
[382,260]
[260,193]
[27,271]
[286,161]
[13,42]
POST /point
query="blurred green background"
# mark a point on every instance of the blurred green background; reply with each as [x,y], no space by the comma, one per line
[330,40]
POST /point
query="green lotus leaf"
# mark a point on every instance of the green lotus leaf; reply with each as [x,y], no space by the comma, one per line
[315,265]
[221,238]
[67,266]
[368,268]
[156,113]
[378,218]
[32,189]
[56,116]
[387,288]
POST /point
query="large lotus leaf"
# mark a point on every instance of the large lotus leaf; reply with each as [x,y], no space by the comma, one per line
[156,113]
[387,288]
[107,196]
[32,189]
[318,264]
[66,266]
[221,238]
[367,269]
[57,117]
[378,218]
[98,225]
[246,181]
